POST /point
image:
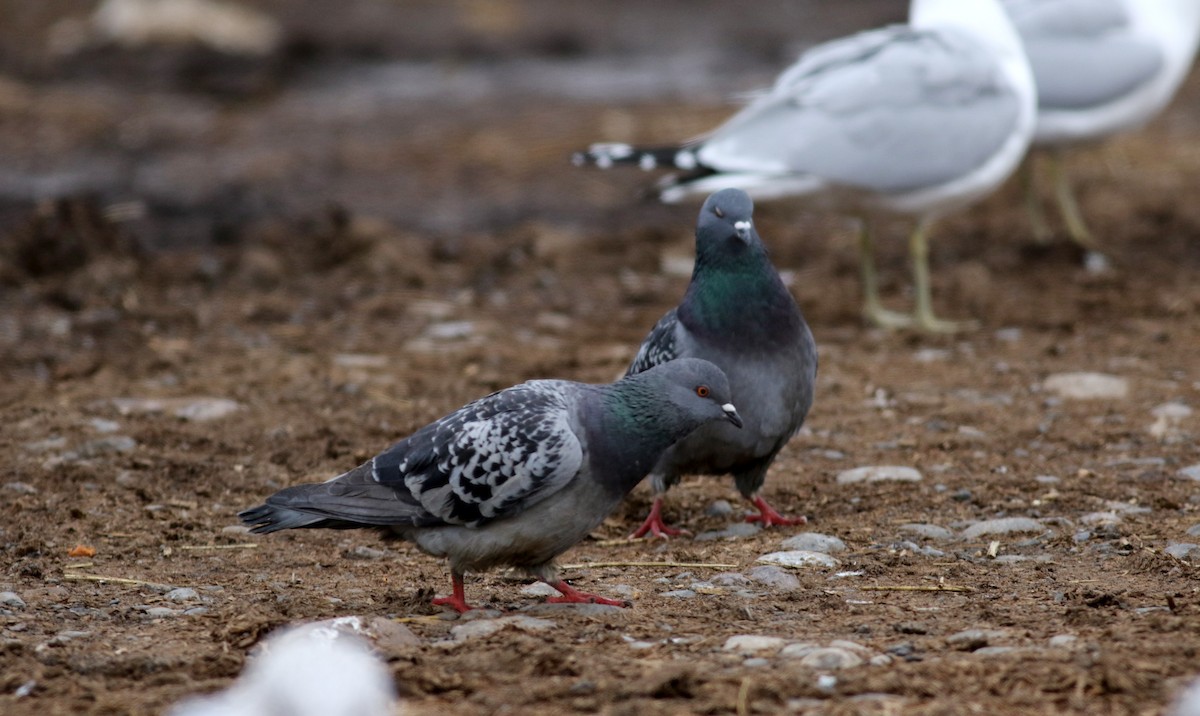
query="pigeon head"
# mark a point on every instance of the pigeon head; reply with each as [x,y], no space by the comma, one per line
[726,224]
[695,390]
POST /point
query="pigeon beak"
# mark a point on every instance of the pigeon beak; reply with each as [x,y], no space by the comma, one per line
[731,414]
[743,229]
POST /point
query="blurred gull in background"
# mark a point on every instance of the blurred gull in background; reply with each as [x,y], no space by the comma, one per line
[916,119]
[1101,67]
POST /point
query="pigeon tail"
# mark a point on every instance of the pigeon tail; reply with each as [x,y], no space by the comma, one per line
[605,155]
[265,519]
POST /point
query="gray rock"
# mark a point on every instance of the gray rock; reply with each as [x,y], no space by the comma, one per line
[1063,641]
[928,531]
[753,644]
[756,662]
[1002,526]
[733,579]
[737,530]
[1087,386]
[544,609]
[364,552]
[996,650]
[197,409]
[384,635]
[774,577]
[831,658]
[799,558]
[235,529]
[972,639]
[881,660]
[161,612]
[1191,472]
[56,442]
[1168,422]
[539,589]
[21,488]
[101,425]
[195,612]
[109,445]
[720,508]
[481,628]
[12,599]
[878,473]
[182,594]
[798,650]
[1047,479]
[679,594]
[1098,519]
[814,542]
[1194,531]
[1183,550]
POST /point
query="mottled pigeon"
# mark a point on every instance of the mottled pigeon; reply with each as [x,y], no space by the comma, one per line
[738,314]
[517,477]
[916,119]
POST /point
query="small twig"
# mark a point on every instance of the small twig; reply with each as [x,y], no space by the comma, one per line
[743,698]
[916,588]
[125,535]
[80,565]
[115,580]
[182,504]
[993,548]
[614,542]
[200,547]
[689,565]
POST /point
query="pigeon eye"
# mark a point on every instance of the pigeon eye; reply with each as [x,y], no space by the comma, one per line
[720,214]
[702,391]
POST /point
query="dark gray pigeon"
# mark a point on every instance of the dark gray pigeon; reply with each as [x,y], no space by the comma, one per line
[737,314]
[517,477]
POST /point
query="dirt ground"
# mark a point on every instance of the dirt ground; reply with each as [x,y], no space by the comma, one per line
[435,261]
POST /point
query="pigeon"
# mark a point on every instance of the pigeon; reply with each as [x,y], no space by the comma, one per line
[916,119]
[306,671]
[517,477]
[1102,67]
[737,314]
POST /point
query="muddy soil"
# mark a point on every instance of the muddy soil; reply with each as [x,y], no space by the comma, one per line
[290,323]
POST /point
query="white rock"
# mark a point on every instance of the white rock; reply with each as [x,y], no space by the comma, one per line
[1100,518]
[1062,641]
[182,594]
[928,531]
[1002,526]
[831,658]
[12,599]
[486,627]
[226,27]
[539,589]
[1087,386]
[814,542]
[21,488]
[1168,422]
[753,644]
[878,473]
[798,650]
[772,576]
[1191,472]
[1183,550]
[799,558]
[198,409]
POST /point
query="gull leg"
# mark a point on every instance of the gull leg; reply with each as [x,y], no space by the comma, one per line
[570,595]
[1033,205]
[458,600]
[873,309]
[918,248]
[1071,214]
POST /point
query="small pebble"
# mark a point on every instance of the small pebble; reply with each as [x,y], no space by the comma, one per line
[21,488]
[733,579]
[481,628]
[12,599]
[933,532]
[880,473]
[736,530]
[1061,641]
[753,644]
[1002,526]
[1191,472]
[679,594]
[1183,550]
[720,508]
[161,612]
[814,542]
[539,589]
[799,558]
[831,658]
[1087,386]
[182,594]
[756,662]
[775,577]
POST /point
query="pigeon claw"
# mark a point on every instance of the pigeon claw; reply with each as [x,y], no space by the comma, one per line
[456,601]
[571,595]
[770,518]
[655,526]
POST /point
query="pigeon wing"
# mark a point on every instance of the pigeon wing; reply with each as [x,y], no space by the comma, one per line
[658,347]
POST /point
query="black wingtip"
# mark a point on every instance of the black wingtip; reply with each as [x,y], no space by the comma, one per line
[265,519]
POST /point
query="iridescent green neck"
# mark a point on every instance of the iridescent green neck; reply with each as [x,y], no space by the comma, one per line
[740,296]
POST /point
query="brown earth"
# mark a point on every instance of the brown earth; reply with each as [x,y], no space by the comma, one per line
[338,330]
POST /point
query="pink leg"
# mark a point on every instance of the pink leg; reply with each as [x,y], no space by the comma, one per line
[654,524]
[457,601]
[769,517]
[570,595]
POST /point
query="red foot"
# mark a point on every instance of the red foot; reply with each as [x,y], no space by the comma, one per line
[654,524]
[570,595]
[456,601]
[770,518]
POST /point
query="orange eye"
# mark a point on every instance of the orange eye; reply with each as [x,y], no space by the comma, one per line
[702,391]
